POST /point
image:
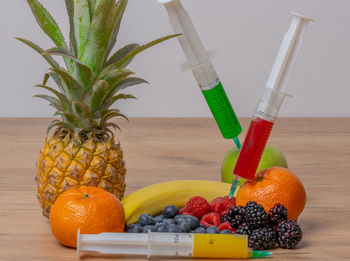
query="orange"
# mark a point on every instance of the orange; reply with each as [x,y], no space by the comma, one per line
[91,209]
[275,185]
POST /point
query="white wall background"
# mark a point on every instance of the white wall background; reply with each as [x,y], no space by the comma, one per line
[245,33]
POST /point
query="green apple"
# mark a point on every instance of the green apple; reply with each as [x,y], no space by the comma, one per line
[271,157]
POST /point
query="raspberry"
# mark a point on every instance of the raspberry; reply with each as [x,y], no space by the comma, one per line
[184,211]
[196,206]
[222,205]
[214,202]
[211,219]
[226,225]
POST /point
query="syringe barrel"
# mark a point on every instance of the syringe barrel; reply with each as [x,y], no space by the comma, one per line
[222,111]
[269,104]
[205,75]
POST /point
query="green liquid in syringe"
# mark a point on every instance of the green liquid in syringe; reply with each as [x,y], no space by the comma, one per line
[222,111]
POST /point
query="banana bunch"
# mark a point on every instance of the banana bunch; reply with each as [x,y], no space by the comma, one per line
[154,198]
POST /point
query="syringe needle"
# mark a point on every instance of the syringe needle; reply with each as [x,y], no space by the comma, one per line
[237,142]
[234,186]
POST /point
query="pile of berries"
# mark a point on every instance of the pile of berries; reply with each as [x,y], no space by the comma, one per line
[264,230]
[198,216]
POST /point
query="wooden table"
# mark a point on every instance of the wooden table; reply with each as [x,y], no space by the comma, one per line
[317,150]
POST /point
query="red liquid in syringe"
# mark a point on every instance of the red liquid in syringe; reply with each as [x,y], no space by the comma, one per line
[253,148]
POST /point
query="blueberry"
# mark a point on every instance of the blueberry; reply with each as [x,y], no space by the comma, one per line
[173,228]
[146,219]
[170,211]
[132,226]
[148,227]
[168,221]
[212,230]
[200,230]
[162,228]
[179,218]
[184,226]
[160,224]
[136,229]
[194,221]
[159,218]
[225,231]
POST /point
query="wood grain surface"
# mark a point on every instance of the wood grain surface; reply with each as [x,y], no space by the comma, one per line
[317,150]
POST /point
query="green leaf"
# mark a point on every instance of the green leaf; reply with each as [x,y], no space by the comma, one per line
[70,12]
[60,83]
[111,124]
[38,49]
[101,29]
[121,53]
[109,102]
[93,123]
[49,26]
[114,75]
[141,48]
[82,109]
[56,123]
[109,114]
[75,89]
[54,102]
[92,4]
[99,92]
[62,98]
[131,81]
[72,119]
[120,10]
[79,22]
[82,72]
[46,78]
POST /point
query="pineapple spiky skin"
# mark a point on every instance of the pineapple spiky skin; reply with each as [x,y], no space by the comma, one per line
[69,163]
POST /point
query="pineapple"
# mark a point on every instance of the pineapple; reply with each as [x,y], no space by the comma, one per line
[82,150]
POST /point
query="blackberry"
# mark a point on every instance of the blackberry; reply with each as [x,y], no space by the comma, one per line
[237,216]
[277,214]
[288,234]
[262,238]
[225,218]
[244,229]
[255,215]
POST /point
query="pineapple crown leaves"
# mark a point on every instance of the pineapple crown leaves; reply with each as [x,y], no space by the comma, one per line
[93,77]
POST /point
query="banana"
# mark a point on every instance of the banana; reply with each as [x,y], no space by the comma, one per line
[154,198]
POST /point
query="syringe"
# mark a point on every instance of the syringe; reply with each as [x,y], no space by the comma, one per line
[169,244]
[203,71]
[270,103]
